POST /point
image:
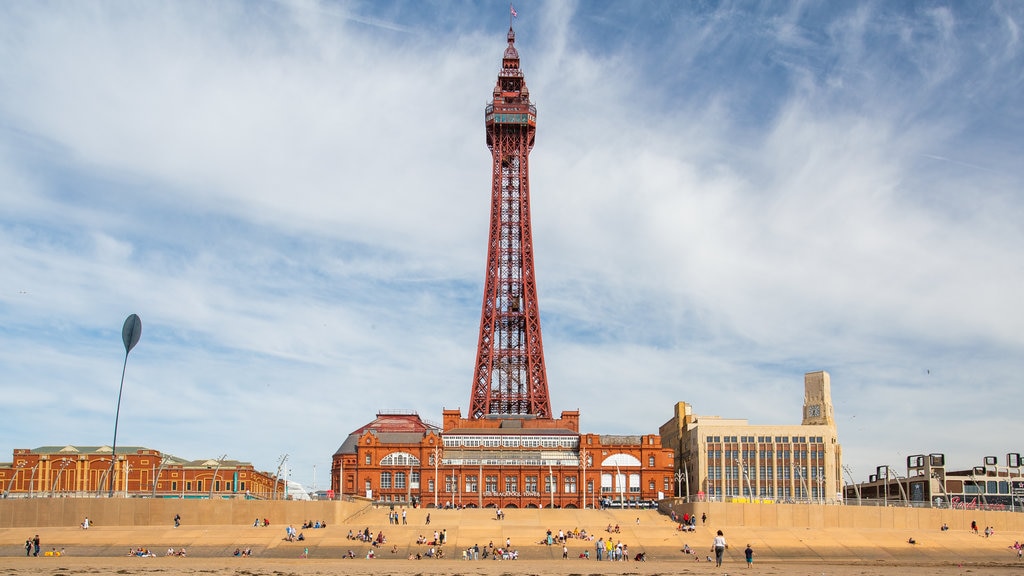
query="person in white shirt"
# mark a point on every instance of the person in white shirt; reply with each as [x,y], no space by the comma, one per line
[719,548]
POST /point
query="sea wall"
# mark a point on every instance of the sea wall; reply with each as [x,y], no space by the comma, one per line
[69,512]
[54,512]
[831,516]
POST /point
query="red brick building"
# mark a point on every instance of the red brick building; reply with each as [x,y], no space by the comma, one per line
[502,462]
[85,471]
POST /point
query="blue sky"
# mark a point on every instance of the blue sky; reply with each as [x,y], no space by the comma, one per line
[294,198]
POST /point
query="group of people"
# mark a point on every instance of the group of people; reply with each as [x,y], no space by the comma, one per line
[718,548]
[689,518]
[608,550]
[366,536]
[242,553]
[291,535]
[559,538]
[310,524]
[32,546]
[257,523]
[1019,548]
[563,535]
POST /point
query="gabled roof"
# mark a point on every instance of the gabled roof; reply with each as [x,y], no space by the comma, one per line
[406,428]
[105,449]
[386,422]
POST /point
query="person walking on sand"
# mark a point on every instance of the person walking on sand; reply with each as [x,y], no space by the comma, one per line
[749,555]
[719,548]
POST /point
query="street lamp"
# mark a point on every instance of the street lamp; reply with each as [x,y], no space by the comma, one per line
[803,481]
[10,484]
[102,480]
[213,482]
[164,459]
[127,476]
[32,479]
[551,485]
[436,452]
[277,476]
[744,475]
[856,487]
[63,464]
[130,334]
[584,456]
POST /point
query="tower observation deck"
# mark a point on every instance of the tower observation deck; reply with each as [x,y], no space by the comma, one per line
[509,377]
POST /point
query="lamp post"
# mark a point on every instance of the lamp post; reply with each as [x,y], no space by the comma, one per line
[10,484]
[436,452]
[551,485]
[744,475]
[803,481]
[102,480]
[156,475]
[899,485]
[620,480]
[127,476]
[130,334]
[856,487]
[341,477]
[63,464]
[277,476]
[584,455]
[213,482]
[32,480]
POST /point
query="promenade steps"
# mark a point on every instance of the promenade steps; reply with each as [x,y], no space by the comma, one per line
[646,531]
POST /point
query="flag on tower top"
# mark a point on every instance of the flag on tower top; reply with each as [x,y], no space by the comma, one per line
[512,11]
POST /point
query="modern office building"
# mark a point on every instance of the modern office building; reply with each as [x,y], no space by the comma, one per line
[729,459]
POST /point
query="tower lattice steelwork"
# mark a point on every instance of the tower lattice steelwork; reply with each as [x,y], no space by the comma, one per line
[510,378]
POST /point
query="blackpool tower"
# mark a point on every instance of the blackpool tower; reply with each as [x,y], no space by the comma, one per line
[509,378]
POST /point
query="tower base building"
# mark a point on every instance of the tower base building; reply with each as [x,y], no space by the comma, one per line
[501,462]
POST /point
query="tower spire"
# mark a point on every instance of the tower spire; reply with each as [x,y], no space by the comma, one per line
[509,377]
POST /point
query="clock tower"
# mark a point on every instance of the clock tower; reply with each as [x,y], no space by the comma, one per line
[818,400]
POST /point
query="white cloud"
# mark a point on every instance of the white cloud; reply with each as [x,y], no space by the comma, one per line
[293,196]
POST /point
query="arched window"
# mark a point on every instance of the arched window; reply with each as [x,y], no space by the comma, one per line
[621,459]
[400,459]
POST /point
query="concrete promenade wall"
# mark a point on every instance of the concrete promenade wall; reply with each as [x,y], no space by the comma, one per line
[57,512]
[859,517]
[69,512]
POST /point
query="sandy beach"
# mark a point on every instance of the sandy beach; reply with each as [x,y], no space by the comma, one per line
[792,550]
[380,567]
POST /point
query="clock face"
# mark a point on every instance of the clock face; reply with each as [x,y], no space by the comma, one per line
[814,410]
